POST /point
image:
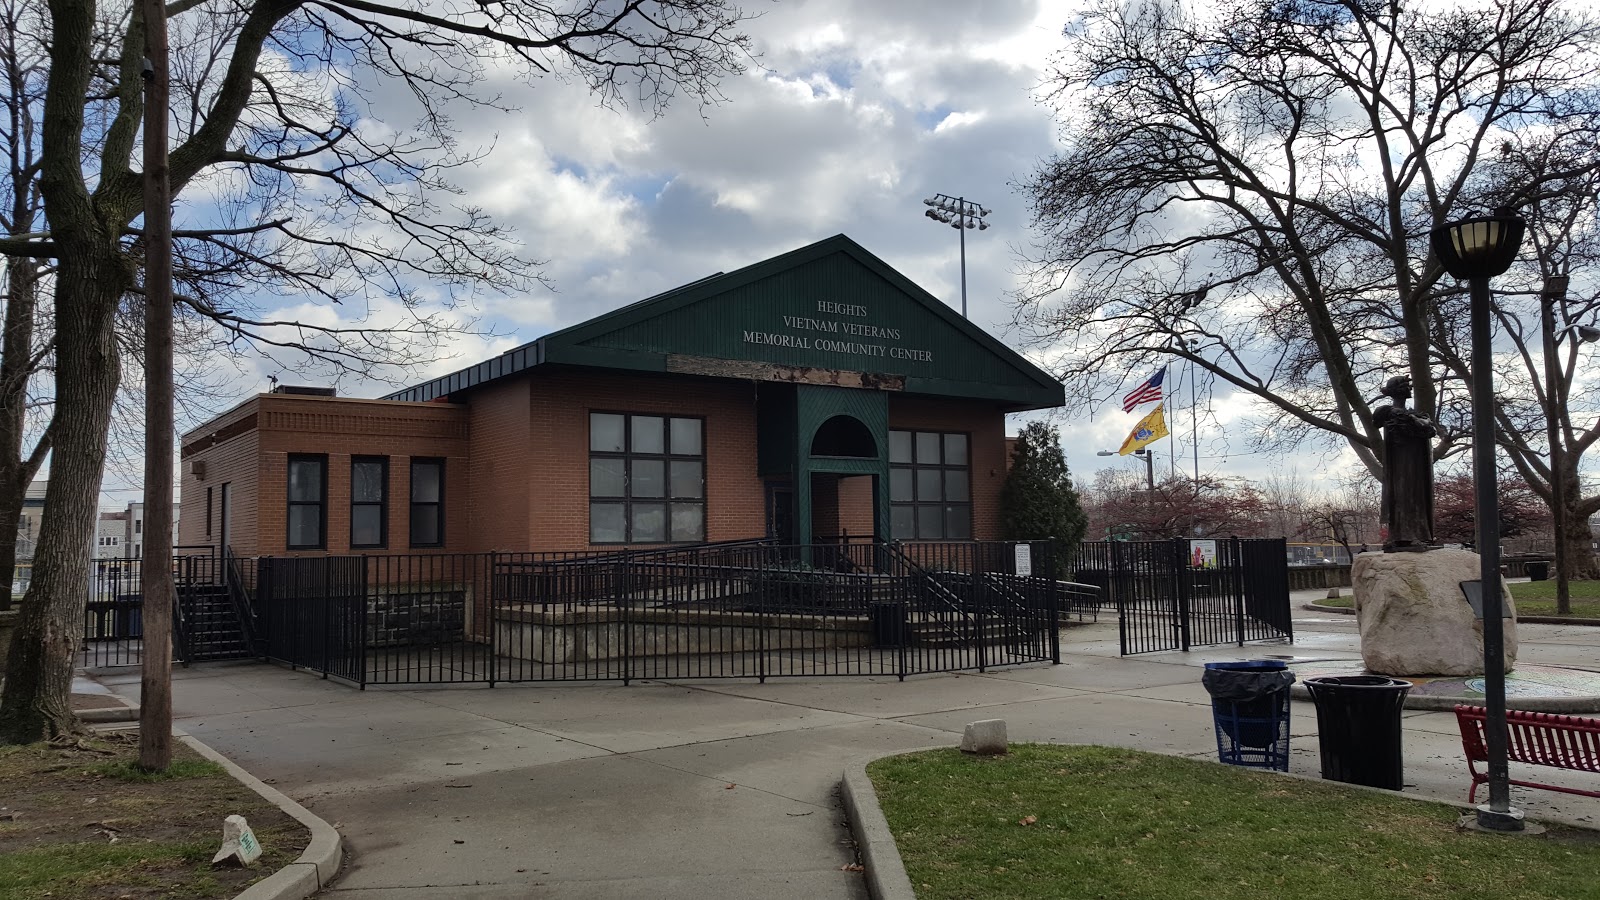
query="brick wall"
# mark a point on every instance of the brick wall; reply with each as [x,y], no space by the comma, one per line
[230,456]
[502,466]
[855,506]
[517,460]
[559,448]
[256,463]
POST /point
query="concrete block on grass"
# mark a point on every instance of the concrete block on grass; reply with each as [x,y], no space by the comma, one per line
[985,738]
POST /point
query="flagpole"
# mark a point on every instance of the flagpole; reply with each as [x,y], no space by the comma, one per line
[1194,424]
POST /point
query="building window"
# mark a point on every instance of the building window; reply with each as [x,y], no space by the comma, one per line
[647,479]
[308,502]
[930,486]
[208,512]
[369,501]
[427,503]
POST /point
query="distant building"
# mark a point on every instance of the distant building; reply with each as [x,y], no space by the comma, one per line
[111,536]
[28,523]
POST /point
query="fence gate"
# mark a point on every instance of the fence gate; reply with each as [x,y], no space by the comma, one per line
[1180,594]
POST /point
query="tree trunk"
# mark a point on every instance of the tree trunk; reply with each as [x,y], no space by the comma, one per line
[16,357]
[1580,549]
[36,700]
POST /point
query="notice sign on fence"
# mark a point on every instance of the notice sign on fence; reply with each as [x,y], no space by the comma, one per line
[1024,559]
[1202,554]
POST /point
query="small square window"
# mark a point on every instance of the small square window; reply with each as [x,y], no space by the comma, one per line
[686,437]
[606,432]
[648,436]
[649,523]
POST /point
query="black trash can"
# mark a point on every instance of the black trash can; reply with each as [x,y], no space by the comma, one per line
[1358,728]
[887,623]
[1538,569]
[1250,706]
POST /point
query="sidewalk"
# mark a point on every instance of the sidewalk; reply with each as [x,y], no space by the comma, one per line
[713,789]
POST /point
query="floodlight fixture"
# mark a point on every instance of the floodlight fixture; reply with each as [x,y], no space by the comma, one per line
[961,214]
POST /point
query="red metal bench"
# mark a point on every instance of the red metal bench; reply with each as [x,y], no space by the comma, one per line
[1536,739]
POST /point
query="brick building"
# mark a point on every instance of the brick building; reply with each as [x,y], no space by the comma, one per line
[816,394]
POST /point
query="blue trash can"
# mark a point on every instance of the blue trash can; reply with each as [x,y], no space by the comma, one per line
[1250,705]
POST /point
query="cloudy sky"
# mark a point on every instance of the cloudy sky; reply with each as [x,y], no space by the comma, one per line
[856,112]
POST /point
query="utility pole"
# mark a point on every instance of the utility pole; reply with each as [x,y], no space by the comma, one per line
[155,570]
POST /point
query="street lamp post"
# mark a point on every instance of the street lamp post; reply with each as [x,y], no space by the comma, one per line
[1477,250]
[959,213]
[1149,464]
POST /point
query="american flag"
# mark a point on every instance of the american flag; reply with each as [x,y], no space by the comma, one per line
[1147,392]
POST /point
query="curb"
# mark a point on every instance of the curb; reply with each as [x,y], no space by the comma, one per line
[315,868]
[317,864]
[885,871]
[1531,620]
[1428,703]
[108,714]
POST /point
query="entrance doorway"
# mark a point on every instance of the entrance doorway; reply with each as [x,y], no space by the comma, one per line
[780,513]
[841,507]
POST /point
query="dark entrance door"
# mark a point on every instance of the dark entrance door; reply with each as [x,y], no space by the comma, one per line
[780,513]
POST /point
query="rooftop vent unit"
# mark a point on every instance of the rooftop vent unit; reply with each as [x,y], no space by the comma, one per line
[305,390]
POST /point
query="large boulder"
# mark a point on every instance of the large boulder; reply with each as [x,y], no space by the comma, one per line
[1414,618]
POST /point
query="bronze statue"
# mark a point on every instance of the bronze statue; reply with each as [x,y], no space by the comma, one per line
[1408,456]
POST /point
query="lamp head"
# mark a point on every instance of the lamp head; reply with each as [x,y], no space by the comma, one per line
[1106,453]
[1587,333]
[1479,248]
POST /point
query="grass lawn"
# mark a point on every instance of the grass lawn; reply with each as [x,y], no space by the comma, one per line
[82,823]
[1534,598]
[1098,822]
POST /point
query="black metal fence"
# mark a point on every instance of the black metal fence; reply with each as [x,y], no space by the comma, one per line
[733,610]
[211,616]
[1235,591]
[748,609]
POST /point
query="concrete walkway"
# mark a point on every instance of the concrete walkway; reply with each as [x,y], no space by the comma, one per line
[713,789]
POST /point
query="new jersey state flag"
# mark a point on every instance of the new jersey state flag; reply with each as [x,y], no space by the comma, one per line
[1151,428]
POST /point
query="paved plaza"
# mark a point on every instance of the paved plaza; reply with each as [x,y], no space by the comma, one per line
[712,789]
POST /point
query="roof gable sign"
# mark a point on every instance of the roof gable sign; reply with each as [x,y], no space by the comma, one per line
[830,307]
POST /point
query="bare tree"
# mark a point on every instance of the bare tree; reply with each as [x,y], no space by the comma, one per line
[1546,420]
[25,352]
[293,191]
[1287,500]
[1250,188]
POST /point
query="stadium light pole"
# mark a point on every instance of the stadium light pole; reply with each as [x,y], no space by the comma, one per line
[959,213]
[1476,250]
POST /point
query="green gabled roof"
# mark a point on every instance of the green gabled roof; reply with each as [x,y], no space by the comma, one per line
[830,305]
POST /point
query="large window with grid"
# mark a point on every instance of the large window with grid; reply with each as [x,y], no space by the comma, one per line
[647,479]
[930,486]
